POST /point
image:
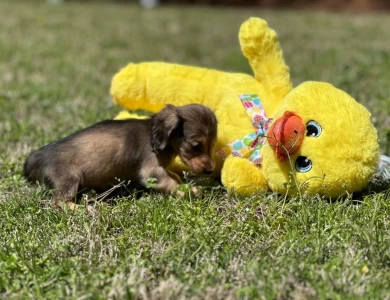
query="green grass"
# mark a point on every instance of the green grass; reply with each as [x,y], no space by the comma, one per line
[56,64]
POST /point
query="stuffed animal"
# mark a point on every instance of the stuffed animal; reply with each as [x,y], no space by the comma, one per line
[313,138]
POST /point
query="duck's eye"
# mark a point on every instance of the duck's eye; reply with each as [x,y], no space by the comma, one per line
[303,164]
[313,129]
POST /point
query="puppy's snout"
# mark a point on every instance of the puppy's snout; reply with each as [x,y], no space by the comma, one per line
[201,165]
[208,171]
[209,166]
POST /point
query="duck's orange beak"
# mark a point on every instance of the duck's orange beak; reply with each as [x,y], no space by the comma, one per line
[286,134]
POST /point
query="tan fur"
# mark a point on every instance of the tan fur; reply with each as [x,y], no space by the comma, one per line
[136,150]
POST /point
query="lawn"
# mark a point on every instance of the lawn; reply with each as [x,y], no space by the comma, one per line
[56,64]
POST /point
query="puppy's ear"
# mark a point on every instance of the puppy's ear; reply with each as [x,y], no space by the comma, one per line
[163,123]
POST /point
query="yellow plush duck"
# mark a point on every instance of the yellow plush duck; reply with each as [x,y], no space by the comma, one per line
[313,138]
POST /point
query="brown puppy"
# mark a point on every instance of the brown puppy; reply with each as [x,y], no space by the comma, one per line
[136,150]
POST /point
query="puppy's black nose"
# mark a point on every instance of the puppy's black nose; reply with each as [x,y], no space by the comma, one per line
[208,171]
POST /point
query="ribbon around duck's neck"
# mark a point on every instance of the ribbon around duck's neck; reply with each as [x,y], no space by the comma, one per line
[249,146]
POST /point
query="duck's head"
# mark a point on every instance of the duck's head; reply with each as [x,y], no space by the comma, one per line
[322,141]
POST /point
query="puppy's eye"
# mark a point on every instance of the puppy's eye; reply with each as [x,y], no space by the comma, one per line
[313,129]
[196,147]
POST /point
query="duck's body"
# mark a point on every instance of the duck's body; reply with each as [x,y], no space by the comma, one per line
[343,156]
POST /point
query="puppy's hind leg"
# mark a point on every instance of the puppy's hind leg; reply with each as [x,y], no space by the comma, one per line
[66,190]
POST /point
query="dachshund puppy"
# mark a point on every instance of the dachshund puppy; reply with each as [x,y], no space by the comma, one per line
[132,149]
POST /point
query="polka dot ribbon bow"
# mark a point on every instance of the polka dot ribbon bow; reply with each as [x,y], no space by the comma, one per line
[249,146]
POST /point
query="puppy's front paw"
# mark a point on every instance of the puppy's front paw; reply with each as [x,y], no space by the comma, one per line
[195,191]
[180,193]
[63,206]
[91,210]
[184,189]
